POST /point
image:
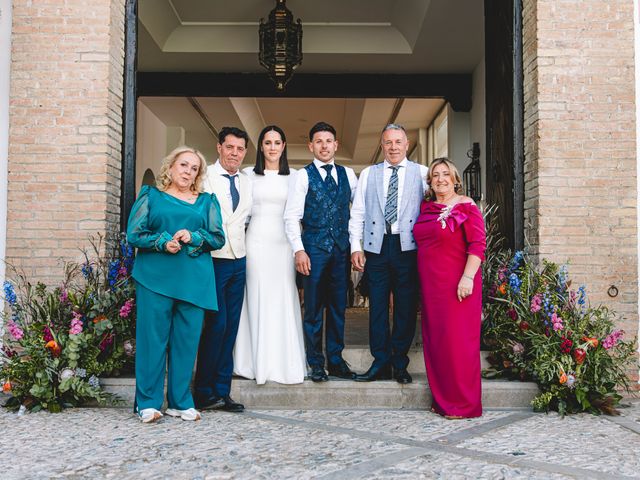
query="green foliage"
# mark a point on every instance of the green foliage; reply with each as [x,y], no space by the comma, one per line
[538,328]
[60,340]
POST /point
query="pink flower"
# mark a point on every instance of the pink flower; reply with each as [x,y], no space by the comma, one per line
[76,324]
[64,296]
[15,331]
[612,339]
[502,273]
[125,310]
[536,303]
[557,322]
[518,348]
[47,336]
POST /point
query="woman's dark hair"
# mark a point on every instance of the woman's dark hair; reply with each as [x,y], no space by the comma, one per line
[284,164]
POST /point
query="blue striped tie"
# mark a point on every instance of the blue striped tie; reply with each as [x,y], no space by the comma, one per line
[391,207]
[235,194]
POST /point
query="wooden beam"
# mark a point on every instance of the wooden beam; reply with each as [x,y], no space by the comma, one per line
[455,88]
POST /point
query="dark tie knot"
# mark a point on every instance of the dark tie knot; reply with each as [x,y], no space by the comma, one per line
[328,168]
[230,177]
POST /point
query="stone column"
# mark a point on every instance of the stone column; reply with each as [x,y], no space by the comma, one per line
[65,130]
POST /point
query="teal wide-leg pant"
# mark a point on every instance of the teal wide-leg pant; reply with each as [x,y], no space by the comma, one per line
[164,322]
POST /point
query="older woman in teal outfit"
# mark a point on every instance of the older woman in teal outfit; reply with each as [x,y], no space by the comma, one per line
[173,226]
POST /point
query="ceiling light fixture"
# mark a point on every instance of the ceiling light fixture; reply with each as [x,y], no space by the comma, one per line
[280,44]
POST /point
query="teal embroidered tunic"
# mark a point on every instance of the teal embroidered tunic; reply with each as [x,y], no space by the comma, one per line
[187,275]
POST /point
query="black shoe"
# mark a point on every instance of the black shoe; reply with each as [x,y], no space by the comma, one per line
[373,374]
[402,376]
[318,374]
[229,405]
[341,370]
[211,403]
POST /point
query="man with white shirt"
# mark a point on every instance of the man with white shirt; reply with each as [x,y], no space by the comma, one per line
[384,210]
[212,384]
[319,200]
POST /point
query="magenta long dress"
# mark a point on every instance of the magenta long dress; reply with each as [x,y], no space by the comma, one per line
[450,328]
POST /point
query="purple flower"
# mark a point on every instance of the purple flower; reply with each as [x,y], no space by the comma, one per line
[125,310]
[64,296]
[612,339]
[512,314]
[47,336]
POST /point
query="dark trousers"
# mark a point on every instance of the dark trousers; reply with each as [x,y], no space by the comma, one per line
[325,290]
[392,270]
[215,354]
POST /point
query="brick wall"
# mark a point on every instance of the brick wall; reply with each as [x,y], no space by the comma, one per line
[65,129]
[580,145]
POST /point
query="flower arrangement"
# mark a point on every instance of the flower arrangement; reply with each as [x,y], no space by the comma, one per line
[537,327]
[60,340]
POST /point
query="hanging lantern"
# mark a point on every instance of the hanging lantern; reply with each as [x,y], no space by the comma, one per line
[471,174]
[280,44]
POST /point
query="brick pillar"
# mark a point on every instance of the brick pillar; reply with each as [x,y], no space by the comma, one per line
[580,144]
[65,129]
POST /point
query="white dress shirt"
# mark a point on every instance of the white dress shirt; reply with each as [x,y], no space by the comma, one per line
[294,210]
[356,221]
[219,170]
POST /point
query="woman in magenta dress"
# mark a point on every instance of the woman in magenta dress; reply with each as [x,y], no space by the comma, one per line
[451,241]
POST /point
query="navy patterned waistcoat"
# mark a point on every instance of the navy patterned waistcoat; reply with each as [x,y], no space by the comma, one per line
[326,218]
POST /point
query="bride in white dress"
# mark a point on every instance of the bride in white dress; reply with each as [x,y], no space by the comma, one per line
[270,344]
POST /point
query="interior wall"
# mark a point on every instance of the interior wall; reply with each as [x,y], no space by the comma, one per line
[479,121]
[151,143]
[459,137]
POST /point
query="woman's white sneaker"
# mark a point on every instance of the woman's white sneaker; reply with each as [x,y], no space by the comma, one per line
[149,415]
[188,415]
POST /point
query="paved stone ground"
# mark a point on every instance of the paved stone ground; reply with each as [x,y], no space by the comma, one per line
[330,444]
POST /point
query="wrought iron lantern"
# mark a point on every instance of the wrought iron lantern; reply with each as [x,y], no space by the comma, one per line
[280,44]
[471,174]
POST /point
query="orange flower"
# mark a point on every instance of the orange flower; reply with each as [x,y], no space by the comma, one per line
[592,341]
[503,288]
[99,318]
[6,387]
[54,347]
[563,378]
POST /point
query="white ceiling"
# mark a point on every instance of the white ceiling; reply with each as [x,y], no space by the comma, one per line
[357,121]
[356,36]
[340,36]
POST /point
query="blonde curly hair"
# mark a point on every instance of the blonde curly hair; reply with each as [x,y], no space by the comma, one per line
[164,178]
[457,181]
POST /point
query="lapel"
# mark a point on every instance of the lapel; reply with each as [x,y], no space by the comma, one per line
[243,190]
[220,186]
[378,181]
[409,177]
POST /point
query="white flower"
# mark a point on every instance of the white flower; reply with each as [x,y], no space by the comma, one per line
[66,373]
[444,214]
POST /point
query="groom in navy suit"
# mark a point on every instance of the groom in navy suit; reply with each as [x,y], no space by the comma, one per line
[319,201]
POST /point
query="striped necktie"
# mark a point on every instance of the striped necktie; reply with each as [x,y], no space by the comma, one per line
[235,194]
[391,207]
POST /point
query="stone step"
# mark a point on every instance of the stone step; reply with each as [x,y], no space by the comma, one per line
[338,393]
[359,358]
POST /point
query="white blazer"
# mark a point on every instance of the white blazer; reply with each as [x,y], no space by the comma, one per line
[233,223]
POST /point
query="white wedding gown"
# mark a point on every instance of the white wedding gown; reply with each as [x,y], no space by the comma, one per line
[270,344]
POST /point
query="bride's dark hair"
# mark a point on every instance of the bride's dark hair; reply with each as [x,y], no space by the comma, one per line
[284,164]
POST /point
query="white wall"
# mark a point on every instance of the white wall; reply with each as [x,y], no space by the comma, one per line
[5,64]
[459,137]
[151,143]
[479,120]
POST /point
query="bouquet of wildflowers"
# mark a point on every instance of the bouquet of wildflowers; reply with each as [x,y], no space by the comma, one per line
[59,340]
[538,328]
